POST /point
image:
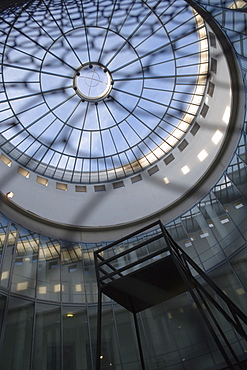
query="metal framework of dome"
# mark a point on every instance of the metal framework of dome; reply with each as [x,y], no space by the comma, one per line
[97,91]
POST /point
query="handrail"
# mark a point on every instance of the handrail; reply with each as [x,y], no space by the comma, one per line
[141,231]
[130,265]
[208,280]
[129,250]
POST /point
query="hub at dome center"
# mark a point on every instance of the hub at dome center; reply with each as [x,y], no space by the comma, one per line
[92,82]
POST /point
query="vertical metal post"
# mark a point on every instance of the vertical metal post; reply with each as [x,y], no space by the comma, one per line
[139,341]
[99,321]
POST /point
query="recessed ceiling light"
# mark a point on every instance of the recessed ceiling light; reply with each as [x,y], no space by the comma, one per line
[78,288]
[166,180]
[226,115]
[240,291]
[185,169]
[70,315]
[188,244]
[42,290]
[22,286]
[6,160]
[217,137]
[224,220]
[202,155]
[10,194]
[204,234]
[238,205]
[24,172]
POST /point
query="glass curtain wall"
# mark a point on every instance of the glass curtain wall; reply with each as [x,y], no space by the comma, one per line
[49,297]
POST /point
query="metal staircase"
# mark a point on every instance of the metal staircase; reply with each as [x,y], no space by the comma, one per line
[140,274]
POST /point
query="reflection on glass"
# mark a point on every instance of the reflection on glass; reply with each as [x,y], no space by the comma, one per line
[47,348]
[127,337]
[25,266]
[239,264]
[16,351]
[227,280]
[77,353]
[2,307]
[49,284]
[160,340]
[91,287]
[231,199]
[191,335]
[8,256]
[3,231]
[184,238]
[201,236]
[72,273]
[110,346]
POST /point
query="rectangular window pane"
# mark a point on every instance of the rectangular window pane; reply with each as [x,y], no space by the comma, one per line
[76,348]
[3,231]
[47,351]
[16,351]
[72,274]
[8,256]
[25,265]
[48,283]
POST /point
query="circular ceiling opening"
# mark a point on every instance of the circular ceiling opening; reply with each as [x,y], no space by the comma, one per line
[146,67]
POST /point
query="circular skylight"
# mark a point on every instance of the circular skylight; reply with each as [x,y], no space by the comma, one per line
[96,91]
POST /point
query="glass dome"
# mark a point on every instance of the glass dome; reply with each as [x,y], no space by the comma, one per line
[98,91]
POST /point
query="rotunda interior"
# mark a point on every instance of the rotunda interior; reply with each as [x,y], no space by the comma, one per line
[116,114]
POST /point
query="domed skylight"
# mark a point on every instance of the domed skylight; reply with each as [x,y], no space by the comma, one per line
[96,91]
